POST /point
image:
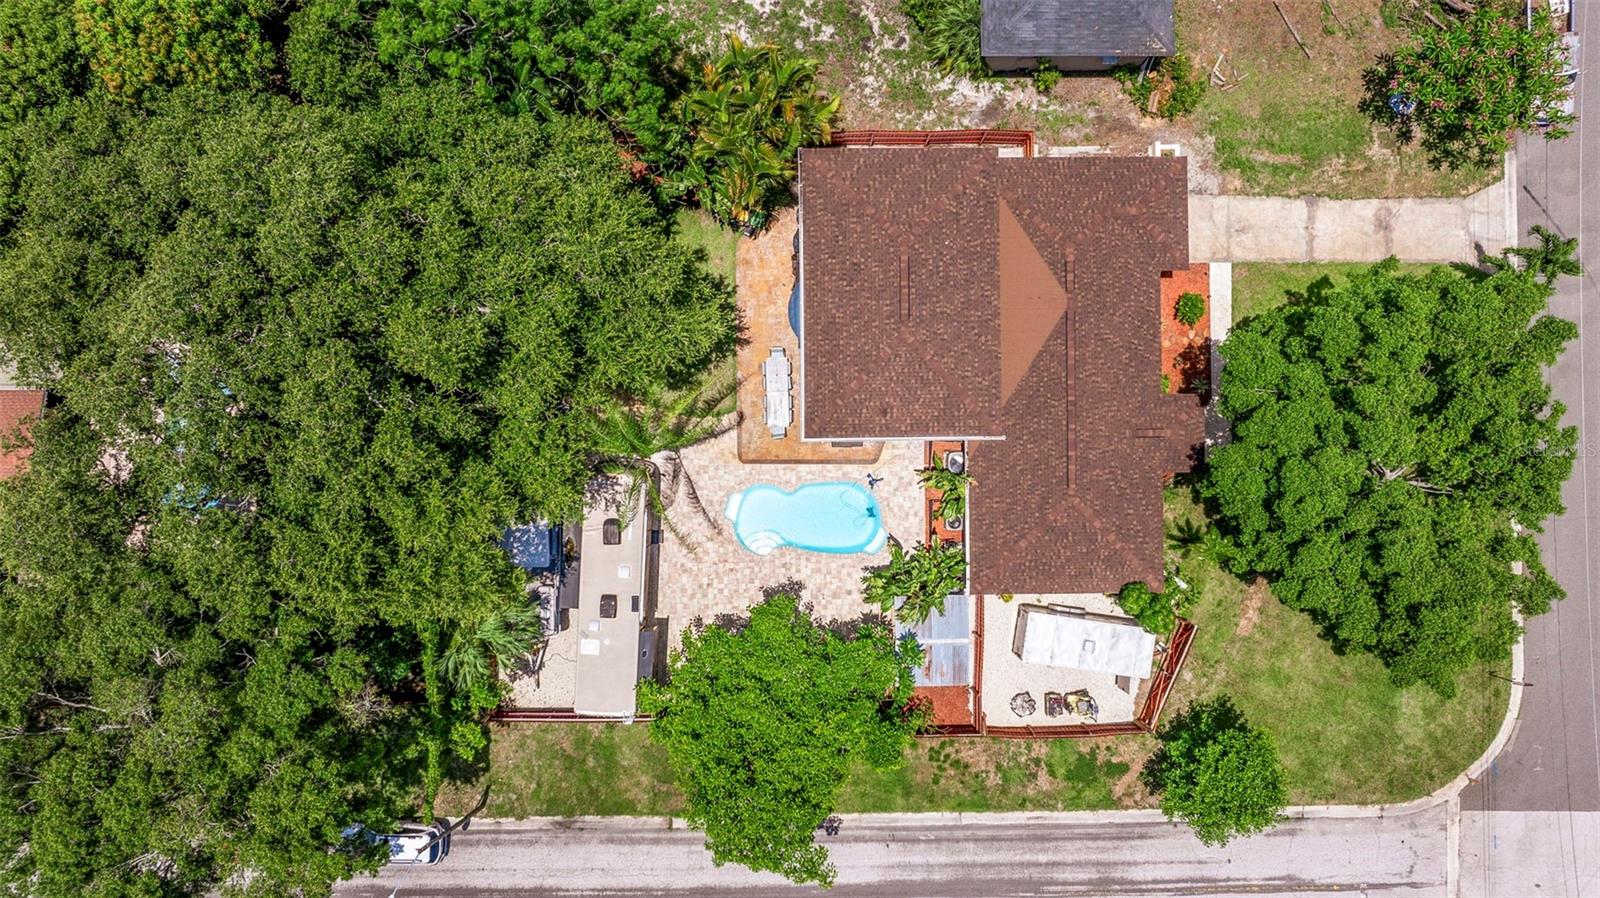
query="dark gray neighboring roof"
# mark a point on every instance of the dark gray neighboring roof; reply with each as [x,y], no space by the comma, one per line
[1013,28]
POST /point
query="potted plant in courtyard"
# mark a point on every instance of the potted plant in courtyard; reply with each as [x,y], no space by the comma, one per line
[1190,308]
[922,578]
[952,487]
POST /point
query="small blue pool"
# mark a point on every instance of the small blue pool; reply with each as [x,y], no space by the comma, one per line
[837,518]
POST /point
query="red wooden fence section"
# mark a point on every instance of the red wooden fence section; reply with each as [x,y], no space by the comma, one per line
[1177,653]
[982,137]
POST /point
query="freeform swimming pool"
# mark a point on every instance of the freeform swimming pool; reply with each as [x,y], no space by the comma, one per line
[838,518]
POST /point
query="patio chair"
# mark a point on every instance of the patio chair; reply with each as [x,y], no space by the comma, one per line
[1022,704]
[1054,704]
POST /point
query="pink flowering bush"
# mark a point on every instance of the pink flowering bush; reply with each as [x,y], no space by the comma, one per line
[1464,91]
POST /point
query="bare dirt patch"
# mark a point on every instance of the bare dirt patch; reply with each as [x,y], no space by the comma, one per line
[1250,610]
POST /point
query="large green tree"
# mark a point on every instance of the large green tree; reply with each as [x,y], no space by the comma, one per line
[763,723]
[1394,441]
[1467,89]
[1218,773]
[305,365]
[134,45]
[612,58]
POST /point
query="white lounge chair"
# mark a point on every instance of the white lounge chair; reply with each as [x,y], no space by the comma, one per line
[779,414]
[777,377]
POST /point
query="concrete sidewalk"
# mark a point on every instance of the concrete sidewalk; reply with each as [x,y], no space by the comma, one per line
[1229,228]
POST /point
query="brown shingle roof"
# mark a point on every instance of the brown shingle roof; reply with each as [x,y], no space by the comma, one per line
[1042,300]
[17,407]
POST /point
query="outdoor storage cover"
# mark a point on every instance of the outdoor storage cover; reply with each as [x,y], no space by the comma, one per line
[1063,640]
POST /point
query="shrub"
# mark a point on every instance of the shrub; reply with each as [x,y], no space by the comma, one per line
[1191,306]
[1217,773]
[39,59]
[747,118]
[1157,611]
[1178,88]
[948,32]
[923,577]
[1166,382]
[134,45]
[951,485]
[1151,609]
[1045,77]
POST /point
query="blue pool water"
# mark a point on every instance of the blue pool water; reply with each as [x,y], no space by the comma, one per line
[837,518]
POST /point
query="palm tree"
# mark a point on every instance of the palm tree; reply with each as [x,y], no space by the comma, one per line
[1198,540]
[753,110]
[499,638]
[1553,257]
[644,441]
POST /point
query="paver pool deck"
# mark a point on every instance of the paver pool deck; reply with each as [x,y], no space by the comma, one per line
[719,576]
[766,274]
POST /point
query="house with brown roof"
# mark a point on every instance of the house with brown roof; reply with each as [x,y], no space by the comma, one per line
[1012,305]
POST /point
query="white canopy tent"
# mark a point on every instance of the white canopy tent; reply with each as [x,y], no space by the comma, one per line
[1061,638]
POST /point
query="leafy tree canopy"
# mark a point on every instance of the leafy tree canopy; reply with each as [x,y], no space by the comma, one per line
[305,365]
[616,58]
[1217,773]
[1393,439]
[39,60]
[134,45]
[1467,88]
[763,723]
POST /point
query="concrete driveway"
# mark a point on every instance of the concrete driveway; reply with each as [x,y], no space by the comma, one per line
[1231,228]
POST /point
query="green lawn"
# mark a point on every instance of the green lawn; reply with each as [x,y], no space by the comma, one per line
[703,232]
[562,770]
[1259,286]
[569,770]
[1291,125]
[999,775]
[1346,734]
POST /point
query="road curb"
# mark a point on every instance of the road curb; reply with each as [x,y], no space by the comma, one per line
[1445,793]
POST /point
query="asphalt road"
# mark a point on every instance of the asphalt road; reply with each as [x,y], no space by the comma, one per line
[1529,826]
[1375,856]
[1553,761]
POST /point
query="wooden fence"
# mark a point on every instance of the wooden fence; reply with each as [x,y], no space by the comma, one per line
[983,137]
[1144,722]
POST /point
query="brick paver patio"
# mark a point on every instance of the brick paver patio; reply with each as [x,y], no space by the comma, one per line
[766,275]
